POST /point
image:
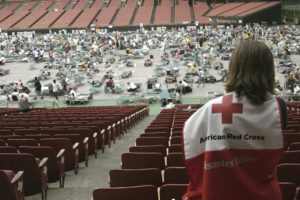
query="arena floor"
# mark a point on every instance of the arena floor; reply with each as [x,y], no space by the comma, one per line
[140,74]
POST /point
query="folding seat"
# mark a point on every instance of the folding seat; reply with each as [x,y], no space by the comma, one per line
[35,173]
[22,142]
[295,146]
[36,137]
[135,177]
[26,131]
[145,192]
[289,173]
[176,140]
[172,191]
[51,131]
[290,157]
[2,142]
[11,185]
[83,145]
[149,149]
[6,132]
[177,133]
[297,195]
[175,148]
[6,137]
[176,175]
[290,138]
[8,149]
[175,160]
[288,190]
[142,160]
[155,134]
[86,132]
[55,163]
[143,141]
[157,129]
[71,151]
[100,134]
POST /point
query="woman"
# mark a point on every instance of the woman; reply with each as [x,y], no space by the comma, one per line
[232,144]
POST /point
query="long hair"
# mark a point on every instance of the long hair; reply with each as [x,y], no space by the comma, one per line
[251,72]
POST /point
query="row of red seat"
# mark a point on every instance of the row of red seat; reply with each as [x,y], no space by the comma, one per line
[157,151]
[55,150]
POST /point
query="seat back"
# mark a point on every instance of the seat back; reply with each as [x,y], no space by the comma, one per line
[175,148]
[295,146]
[135,177]
[172,191]
[26,131]
[61,143]
[175,160]
[176,175]
[2,142]
[28,164]
[290,157]
[289,173]
[149,149]
[288,190]
[42,152]
[22,142]
[143,141]
[8,149]
[145,192]
[11,185]
[142,160]
[176,140]
[36,136]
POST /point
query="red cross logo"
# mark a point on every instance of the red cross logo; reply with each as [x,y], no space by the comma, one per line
[227,108]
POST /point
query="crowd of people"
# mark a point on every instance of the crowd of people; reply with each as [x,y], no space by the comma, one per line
[198,48]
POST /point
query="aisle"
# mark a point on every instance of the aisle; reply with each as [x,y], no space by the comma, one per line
[80,187]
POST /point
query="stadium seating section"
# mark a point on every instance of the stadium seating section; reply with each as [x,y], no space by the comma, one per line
[52,14]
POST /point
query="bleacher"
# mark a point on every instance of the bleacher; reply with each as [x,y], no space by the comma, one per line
[34,16]
[106,15]
[224,8]
[244,8]
[182,12]
[52,15]
[87,15]
[125,14]
[144,13]
[200,9]
[163,13]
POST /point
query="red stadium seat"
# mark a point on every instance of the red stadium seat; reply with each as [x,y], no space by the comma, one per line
[176,175]
[11,185]
[172,191]
[142,160]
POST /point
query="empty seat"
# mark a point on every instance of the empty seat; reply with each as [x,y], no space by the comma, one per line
[288,190]
[35,173]
[158,134]
[150,149]
[290,157]
[6,132]
[22,142]
[2,142]
[55,164]
[145,192]
[83,145]
[176,140]
[176,175]
[172,191]
[26,131]
[8,149]
[142,160]
[36,136]
[11,185]
[175,160]
[71,151]
[289,173]
[295,146]
[135,177]
[142,141]
[87,132]
[175,148]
